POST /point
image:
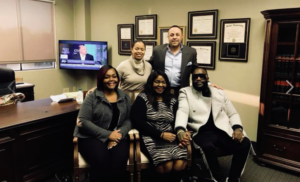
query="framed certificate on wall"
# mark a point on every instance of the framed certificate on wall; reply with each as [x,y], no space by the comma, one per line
[206,53]
[149,49]
[234,39]
[146,26]
[125,38]
[202,24]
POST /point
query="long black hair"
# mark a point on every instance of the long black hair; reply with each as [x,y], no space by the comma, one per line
[151,94]
[100,76]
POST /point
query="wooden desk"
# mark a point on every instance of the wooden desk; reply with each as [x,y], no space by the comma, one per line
[36,139]
[27,90]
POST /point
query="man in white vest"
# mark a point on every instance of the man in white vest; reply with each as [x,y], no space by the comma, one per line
[215,123]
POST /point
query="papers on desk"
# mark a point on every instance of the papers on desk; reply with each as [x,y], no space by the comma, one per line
[71,94]
[61,98]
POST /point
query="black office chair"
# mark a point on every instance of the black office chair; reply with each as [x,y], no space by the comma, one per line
[7,81]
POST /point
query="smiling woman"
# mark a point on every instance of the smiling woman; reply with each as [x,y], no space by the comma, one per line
[110,80]
[159,85]
[153,114]
[134,71]
[102,127]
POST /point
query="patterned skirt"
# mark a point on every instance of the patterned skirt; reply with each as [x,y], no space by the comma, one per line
[160,154]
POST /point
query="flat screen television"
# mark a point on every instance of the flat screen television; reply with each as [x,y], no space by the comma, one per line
[82,55]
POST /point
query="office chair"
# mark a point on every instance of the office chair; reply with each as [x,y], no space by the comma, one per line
[7,81]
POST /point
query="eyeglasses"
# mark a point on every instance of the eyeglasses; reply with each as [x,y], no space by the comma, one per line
[159,82]
[202,76]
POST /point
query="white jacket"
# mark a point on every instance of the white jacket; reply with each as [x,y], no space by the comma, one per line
[194,110]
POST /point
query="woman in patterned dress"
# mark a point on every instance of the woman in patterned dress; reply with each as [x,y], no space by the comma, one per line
[153,114]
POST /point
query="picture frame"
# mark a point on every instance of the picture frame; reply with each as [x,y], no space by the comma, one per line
[125,38]
[151,42]
[163,35]
[206,53]
[203,24]
[149,49]
[146,26]
[234,39]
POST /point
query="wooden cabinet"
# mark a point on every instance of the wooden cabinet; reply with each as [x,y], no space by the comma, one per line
[278,138]
[36,140]
[7,160]
[46,147]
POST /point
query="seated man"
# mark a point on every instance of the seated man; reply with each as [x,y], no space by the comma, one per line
[215,123]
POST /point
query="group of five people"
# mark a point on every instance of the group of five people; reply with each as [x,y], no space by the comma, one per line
[162,111]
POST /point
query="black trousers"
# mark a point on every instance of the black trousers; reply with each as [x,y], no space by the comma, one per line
[211,140]
[106,165]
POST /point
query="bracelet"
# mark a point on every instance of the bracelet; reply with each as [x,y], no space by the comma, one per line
[241,130]
[180,131]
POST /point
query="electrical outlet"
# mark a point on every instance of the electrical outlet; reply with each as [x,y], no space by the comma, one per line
[74,89]
[65,90]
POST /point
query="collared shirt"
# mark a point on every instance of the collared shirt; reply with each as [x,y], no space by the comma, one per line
[173,66]
[82,57]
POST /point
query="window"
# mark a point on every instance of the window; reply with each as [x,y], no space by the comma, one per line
[27,34]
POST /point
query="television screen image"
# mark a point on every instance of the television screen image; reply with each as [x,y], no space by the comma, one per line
[82,55]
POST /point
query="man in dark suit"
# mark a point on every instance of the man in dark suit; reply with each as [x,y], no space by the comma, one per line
[174,59]
[82,55]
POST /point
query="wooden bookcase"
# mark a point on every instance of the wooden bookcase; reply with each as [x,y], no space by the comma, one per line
[278,137]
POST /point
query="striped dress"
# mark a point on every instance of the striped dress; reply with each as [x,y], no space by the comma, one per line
[162,120]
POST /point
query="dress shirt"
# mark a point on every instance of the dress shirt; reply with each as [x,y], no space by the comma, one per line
[82,57]
[173,66]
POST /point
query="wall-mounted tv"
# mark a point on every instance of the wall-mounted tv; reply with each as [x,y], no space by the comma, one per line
[82,55]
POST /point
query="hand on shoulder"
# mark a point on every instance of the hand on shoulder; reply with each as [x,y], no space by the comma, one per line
[91,90]
[216,86]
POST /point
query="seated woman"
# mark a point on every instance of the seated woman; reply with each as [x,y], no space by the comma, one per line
[134,71]
[102,127]
[153,114]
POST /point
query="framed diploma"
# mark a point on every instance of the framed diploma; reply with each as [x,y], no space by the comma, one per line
[125,38]
[146,26]
[163,35]
[206,53]
[234,39]
[202,24]
[149,49]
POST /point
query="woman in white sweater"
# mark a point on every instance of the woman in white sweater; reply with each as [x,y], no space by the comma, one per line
[134,71]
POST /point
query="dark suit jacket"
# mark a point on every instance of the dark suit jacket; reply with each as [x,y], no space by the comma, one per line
[189,56]
[87,57]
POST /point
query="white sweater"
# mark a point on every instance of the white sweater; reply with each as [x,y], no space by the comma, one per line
[129,79]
